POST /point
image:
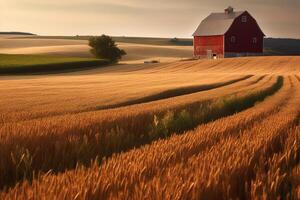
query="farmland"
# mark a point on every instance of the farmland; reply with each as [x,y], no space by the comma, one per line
[16,64]
[199,129]
[136,51]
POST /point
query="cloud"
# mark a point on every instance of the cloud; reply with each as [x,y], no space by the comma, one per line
[141,17]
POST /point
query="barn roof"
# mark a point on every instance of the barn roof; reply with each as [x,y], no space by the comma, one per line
[217,23]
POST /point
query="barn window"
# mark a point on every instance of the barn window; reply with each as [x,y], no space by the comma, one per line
[232,39]
[254,40]
[244,18]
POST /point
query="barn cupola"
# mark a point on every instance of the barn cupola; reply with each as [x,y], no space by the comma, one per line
[229,10]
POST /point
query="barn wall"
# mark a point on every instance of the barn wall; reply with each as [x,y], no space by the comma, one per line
[204,43]
[244,33]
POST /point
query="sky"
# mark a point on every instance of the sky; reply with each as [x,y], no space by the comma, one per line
[145,18]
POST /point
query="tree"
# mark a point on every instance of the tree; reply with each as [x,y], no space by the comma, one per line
[105,47]
[175,39]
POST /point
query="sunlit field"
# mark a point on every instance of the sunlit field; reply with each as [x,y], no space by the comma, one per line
[21,64]
[198,129]
[136,52]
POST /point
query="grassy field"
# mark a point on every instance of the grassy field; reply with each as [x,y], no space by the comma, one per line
[36,63]
[200,129]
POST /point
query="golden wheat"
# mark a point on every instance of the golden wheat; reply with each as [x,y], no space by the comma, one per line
[275,176]
[295,176]
[42,97]
[214,161]
[69,126]
[59,143]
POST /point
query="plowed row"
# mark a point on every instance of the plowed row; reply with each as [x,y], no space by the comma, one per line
[246,155]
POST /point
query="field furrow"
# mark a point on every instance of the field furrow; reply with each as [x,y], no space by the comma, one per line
[56,109]
[48,145]
[18,109]
[177,168]
[249,84]
[221,172]
[155,125]
[176,92]
[179,148]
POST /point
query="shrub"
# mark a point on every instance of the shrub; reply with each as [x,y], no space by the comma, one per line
[106,48]
[174,40]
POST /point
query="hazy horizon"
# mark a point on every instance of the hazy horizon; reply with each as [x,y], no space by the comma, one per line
[140,18]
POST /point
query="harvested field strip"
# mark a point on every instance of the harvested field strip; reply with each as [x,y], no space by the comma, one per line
[41,147]
[213,172]
[177,92]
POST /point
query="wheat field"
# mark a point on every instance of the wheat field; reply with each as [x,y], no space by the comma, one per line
[203,129]
[224,159]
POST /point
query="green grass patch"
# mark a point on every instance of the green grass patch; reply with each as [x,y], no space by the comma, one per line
[190,117]
[15,64]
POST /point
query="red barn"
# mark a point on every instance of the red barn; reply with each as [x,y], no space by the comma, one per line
[228,34]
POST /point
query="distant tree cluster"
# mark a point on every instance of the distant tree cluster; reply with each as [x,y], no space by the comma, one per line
[105,47]
[174,40]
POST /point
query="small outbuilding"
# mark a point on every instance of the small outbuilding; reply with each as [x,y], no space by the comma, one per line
[228,34]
